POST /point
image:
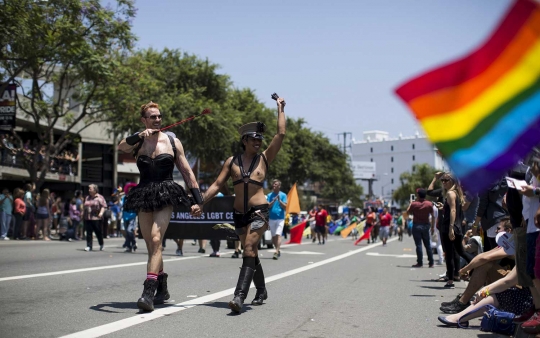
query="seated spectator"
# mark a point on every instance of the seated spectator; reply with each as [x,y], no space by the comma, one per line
[488,267]
[502,294]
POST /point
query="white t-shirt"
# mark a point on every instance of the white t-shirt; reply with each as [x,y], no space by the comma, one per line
[530,206]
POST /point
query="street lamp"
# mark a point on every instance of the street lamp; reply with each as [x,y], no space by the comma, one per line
[382,189]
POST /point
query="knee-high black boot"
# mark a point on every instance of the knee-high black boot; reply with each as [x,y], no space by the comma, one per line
[258,280]
[162,293]
[242,288]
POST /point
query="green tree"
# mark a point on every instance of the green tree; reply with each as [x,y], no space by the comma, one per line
[420,177]
[62,54]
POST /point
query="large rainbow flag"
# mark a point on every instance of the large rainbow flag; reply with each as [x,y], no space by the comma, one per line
[483,111]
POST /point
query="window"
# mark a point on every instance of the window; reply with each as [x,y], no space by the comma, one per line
[392,170]
[392,181]
[413,168]
[392,159]
[413,158]
[371,160]
[413,146]
[391,148]
[371,149]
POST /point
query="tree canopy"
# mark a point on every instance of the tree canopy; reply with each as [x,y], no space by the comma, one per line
[85,51]
[62,55]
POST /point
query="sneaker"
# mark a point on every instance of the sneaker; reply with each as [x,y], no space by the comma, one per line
[127,250]
[194,242]
[532,325]
[101,248]
[455,300]
[201,250]
[279,254]
[236,254]
[431,265]
[384,245]
[88,248]
[323,241]
[456,307]
[417,265]
[449,286]
[5,238]
[214,254]
[276,256]
[179,252]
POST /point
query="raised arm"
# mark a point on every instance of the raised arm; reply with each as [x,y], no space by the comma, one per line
[129,143]
[275,145]
[222,178]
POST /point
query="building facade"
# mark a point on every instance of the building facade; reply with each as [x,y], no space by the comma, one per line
[393,156]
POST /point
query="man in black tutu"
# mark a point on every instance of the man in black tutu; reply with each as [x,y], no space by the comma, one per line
[248,172]
[157,194]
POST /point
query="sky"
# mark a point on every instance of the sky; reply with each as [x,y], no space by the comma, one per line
[336,63]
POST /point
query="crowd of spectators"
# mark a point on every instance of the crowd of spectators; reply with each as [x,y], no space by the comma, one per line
[27,214]
[64,163]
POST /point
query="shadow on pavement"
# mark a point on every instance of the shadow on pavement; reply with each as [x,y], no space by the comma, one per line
[124,306]
[225,305]
[423,296]
[115,305]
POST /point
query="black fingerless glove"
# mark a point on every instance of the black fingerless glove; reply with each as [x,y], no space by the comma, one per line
[133,139]
[197,197]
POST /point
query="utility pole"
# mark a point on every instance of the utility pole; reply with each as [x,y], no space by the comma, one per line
[345,133]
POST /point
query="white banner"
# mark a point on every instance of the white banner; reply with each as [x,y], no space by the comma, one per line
[363,170]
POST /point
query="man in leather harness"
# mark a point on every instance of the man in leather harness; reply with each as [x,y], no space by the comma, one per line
[248,172]
[157,194]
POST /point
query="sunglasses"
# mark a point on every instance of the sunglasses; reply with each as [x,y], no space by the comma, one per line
[154,117]
[444,180]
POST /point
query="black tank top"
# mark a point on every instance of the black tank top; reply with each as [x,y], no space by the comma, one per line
[157,169]
[446,217]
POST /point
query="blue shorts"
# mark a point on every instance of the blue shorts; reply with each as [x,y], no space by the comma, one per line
[531,252]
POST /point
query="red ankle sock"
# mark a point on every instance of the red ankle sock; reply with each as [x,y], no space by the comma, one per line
[160,272]
[151,275]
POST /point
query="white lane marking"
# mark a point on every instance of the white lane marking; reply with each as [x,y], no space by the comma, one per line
[302,252]
[141,318]
[388,255]
[55,273]
[64,272]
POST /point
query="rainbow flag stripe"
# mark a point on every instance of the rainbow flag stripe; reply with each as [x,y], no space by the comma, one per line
[483,111]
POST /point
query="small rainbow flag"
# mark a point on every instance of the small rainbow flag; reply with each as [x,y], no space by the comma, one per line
[483,111]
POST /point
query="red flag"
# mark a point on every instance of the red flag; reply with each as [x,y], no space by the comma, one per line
[365,235]
[296,233]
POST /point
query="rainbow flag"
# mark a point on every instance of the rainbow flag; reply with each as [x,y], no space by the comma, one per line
[483,111]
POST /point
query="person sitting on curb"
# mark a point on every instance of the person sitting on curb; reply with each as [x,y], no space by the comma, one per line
[502,294]
[488,267]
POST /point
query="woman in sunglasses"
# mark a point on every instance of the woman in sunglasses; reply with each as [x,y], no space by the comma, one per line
[248,171]
[157,194]
[451,235]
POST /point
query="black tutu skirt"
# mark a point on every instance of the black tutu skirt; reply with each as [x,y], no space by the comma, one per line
[154,196]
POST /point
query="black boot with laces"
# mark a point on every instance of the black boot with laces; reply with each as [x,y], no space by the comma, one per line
[162,293]
[146,302]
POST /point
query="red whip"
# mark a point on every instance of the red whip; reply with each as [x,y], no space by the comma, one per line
[204,112]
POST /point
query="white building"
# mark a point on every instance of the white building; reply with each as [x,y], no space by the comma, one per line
[393,156]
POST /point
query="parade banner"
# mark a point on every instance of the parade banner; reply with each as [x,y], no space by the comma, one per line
[215,222]
[8,107]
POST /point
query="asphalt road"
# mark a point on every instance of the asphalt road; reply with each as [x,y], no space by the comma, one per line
[55,289]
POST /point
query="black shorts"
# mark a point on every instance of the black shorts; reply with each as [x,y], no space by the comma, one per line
[320,229]
[257,216]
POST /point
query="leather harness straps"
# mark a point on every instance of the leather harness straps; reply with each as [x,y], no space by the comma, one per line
[248,175]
